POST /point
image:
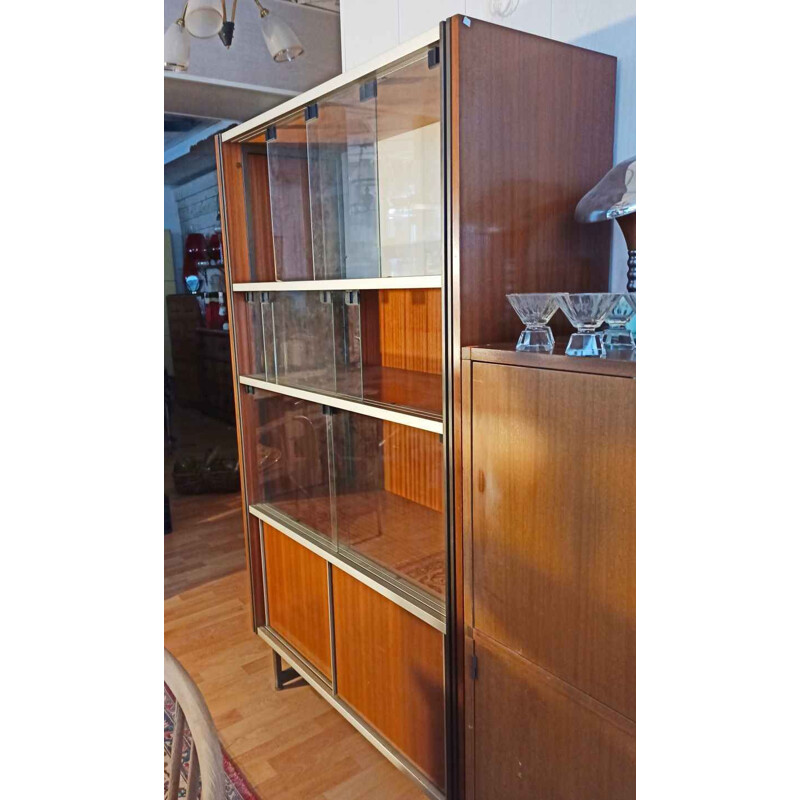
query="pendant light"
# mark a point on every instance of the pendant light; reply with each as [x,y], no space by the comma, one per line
[281,40]
[176,47]
[204,18]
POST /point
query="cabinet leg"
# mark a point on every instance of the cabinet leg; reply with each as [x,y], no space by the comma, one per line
[282,676]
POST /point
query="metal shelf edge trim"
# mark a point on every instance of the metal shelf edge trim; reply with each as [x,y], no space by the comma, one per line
[345,284]
[411,421]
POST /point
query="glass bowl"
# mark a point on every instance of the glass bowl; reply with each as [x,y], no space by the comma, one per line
[587,311]
[535,311]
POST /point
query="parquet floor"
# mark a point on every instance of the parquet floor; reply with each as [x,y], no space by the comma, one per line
[291,745]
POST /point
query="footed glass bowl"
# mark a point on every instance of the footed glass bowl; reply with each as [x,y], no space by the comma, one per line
[587,311]
[617,339]
[535,311]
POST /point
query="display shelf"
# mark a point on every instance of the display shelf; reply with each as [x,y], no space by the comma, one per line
[344,284]
[429,423]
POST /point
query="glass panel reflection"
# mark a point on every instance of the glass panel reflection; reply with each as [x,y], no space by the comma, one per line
[388,498]
[343,181]
[286,458]
[409,170]
[317,340]
[289,199]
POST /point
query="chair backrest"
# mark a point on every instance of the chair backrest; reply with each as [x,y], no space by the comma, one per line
[205,760]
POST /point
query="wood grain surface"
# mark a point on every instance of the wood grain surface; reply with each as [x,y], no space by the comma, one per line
[536,737]
[297,595]
[390,670]
[553,523]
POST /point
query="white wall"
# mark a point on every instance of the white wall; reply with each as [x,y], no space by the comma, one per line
[370,27]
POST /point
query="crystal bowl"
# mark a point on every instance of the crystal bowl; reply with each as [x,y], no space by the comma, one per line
[535,310]
[617,339]
[587,311]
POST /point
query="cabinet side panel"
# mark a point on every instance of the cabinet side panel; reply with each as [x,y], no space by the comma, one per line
[297,589]
[535,123]
[553,527]
[390,669]
[234,250]
[233,204]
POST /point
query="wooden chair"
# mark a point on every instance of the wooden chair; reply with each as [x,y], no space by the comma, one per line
[206,755]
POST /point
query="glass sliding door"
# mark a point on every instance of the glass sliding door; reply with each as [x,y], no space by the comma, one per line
[287,155]
[343,182]
[409,169]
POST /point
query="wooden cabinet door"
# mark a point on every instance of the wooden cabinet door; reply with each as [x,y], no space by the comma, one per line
[537,738]
[553,523]
[390,669]
[297,595]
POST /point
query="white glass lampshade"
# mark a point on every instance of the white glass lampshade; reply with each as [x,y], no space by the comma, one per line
[204,18]
[176,48]
[281,40]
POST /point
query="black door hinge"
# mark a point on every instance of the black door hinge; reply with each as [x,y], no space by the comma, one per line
[312,111]
[433,57]
[368,90]
[473,668]
[272,133]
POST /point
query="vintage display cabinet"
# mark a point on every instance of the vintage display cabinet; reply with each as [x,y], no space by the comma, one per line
[372,227]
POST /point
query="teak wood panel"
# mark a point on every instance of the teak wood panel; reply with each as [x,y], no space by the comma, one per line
[259,217]
[412,464]
[297,597]
[553,523]
[389,667]
[411,329]
[530,136]
[402,329]
[535,737]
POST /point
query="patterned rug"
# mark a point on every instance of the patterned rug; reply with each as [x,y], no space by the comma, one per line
[236,785]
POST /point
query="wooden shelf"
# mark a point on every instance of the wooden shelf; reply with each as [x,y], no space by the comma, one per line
[343,284]
[432,422]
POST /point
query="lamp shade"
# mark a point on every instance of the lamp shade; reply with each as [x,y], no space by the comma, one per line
[281,40]
[176,48]
[204,18]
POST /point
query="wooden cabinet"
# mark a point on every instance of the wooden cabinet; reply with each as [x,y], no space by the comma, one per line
[372,227]
[550,544]
[297,598]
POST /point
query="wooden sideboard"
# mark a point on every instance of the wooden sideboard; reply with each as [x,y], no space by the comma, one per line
[549,575]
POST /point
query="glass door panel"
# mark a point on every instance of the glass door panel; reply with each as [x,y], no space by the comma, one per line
[343,182]
[409,169]
[287,154]
[286,458]
[304,340]
[317,339]
[254,351]
[388,499]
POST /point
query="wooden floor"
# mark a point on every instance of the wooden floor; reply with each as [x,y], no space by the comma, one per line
[206,542]
[291,745]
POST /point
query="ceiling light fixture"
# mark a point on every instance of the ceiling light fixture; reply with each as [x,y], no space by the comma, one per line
[280,38]
[204,19]
[176,45]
